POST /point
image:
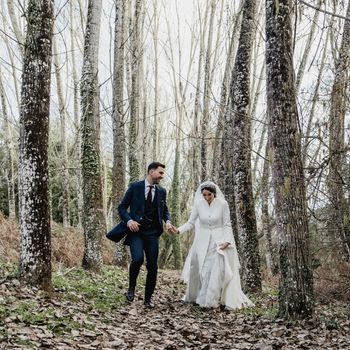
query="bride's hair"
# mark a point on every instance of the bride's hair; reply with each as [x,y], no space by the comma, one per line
[209,188]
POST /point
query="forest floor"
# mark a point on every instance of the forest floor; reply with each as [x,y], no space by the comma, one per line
[88,311]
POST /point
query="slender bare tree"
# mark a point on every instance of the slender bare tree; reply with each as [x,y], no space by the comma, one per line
[119,142]
[9,168]
[315,100]
[15,26]
[63,132]
[339,225]
[308,46]
[241,150]
[155,132]
[11,54]
[206,98]
[136,56]
[76,112]
[224,96]
[197,108]
[270,251]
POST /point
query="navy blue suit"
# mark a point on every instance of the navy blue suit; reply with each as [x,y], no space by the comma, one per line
[134,199]
[146,240]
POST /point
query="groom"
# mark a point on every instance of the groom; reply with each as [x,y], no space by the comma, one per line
[148,209]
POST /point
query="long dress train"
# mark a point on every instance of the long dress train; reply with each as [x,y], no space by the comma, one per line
[212,274]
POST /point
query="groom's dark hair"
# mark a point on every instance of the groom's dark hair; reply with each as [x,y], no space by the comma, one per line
[154,166]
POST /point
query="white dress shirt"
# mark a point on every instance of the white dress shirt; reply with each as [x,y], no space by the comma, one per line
[147,189]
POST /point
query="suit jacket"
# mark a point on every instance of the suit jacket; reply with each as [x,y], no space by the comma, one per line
[134,200]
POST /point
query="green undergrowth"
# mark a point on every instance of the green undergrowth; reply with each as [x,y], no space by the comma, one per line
[7,269]
[103,291]
[77,295]
[32,313]
[261,311]
[265,304]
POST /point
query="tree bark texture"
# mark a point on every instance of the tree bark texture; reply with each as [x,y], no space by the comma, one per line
[9,167]
[135,92]
[35,236]
[338,222]
[119,142]
[271,249]
[63,132]
[175,201]
[241,151]
[226,176]
[93,217]
[207,90]
[79,185]
[296,282]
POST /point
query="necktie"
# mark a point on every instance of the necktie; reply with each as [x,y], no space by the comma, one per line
[149,196]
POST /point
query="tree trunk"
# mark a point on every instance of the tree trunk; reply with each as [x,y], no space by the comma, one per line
[35,235]
[226,178]
[128,46]
[145,127]
[175,208]
[263,126]
[224,104]
[296,282]
[271,251]
[175,188]
[9,168]
[16,29]
[155,38]
[315,99]
[241,154]
[119,144]
[196,135]
[338,222]
[64,152]
[93,218]
[135,92]
[77,123]
[13,65]
[207,90]
[307,49]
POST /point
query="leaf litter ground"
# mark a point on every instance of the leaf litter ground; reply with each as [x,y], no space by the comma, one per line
[88,311]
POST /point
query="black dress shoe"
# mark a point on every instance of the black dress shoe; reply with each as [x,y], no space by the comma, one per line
[149,305]
[130,295]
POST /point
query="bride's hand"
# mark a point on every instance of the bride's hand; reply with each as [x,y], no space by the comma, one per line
[223,246]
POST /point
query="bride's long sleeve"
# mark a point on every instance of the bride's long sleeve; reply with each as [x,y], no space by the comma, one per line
[190,223]
[228,233]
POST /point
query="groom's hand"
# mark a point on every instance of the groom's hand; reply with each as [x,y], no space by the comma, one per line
[170,228]
[133,225]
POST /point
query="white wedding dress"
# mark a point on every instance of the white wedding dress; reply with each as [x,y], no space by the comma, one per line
[211,274]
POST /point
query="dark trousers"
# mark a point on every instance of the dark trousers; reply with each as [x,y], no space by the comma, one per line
[144,242]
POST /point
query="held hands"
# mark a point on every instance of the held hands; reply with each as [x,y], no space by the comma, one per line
[171,229]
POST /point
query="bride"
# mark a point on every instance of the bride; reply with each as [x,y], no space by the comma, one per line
[211,269]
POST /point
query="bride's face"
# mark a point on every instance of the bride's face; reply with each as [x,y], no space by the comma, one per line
[208,196]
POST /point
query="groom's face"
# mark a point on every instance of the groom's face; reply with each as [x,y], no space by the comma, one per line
[157,174]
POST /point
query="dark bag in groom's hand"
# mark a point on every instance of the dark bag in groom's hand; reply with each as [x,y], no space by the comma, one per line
[118,232]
